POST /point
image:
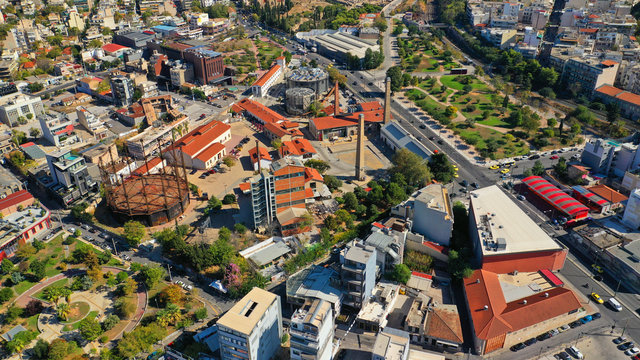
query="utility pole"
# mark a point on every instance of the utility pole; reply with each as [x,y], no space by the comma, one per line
[625,327]
[617,288]
[170,277]
[114,246]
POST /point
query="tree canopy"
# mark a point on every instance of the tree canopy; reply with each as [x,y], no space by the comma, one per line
[412,167]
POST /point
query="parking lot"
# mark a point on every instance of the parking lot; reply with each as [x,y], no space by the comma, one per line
[595,344]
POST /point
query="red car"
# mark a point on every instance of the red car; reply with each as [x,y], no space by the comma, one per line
[554,157]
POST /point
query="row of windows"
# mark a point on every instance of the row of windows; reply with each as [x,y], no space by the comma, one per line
[286,191]
[234,341]
[287,176]
[291,203]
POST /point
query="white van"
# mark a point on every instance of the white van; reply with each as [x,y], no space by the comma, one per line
[615,304]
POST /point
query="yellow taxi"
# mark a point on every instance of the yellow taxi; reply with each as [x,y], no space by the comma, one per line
[597,298]
[455,175]
[494,167]
[455,168]
[504,171]
[597,268]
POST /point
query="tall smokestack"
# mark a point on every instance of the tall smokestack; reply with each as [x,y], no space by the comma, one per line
[336,102]
[387,101]
[360,149]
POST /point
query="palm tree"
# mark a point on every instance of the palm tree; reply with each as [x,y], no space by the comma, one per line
[52,294]
[67,294]
[63,311]
[170,315]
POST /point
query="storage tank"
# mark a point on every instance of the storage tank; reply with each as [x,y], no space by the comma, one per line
[311,78]
[298,100]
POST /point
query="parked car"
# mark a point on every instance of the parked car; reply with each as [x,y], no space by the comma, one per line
[619,340]
[531,341]
[534,157]
[564,328]
[518,346]
[625,346]
[575,352]
[634,350]
[553,157]
[563,355]
[521,197]
[586,319]
[543,337]
[615,304]
[554,332]
[597,298]
[596,316]
[575,324]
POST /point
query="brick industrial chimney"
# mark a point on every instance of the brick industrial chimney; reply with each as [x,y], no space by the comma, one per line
[336,102]
[360,149]
[387,101]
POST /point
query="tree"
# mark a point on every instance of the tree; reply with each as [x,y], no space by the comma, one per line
[34,133]
[16,277]
[613,112]
[6,266]
[20,341]
[201,313]
[412,167]
[276,143]
[33,307]
[128,286]
[229,199]
[213,206]
[547,92]
[35,87]
[152,274]
[59,349]
[401,273]
[552,123]
[417,261]
[41,350]
[90,328]
[320,165]
[239,228]
[538,168]
[124,307]
[110,322]
[334,75]
[350,201]
[18,137]
[37,269]
[381,23]
[5,295]
[531,123]
[134,232]
[441,169]
[62,310]
[395,74]
[170,315]
[332,182]
[172,294]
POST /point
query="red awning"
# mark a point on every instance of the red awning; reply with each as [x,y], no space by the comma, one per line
[556,197]
[551,277]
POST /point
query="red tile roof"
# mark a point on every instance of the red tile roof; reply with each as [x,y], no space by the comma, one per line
[332,122]
[199,138]
[371,105]
[145,168]
[589,31]
[608,63]
[264,154]
[312,174]
[422,275]
[244,186]
[211,151]
[268,75]
[297,147]
[609,90]
[308,193]
[29,65]
[260,111]
[608,194]
[113,47]
[67,129]
[629,97]
[444,323]
[15,199]
[492,316]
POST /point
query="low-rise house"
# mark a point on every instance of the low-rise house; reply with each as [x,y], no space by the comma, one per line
[23,220]
[202,148]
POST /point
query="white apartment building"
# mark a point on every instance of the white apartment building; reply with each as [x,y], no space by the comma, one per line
[312,331]
[631,215]
[252,328]
[16,105]
[58,129]
[261,87]
[92,123]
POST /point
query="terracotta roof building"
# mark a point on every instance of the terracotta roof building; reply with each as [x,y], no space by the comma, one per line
[23,220]
[257,111]
[261,87]
[202,148]
[629,103]
[505,310]
[443,328]
[615,198]
[265,158]
[343,125]
[299,148]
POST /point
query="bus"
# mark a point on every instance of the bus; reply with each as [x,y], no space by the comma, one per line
[458,71]
[508,162]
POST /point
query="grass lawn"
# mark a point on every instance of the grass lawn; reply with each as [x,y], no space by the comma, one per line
[507,145]
[79,310]
[114,262]
[450,82]
[59,283]
[23,286]
[32,323]
[52,272]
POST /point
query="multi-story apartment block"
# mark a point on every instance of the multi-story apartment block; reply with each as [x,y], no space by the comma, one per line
[83,4]
[57,129]
[312,331]
[181,73]
[252,328]
[282,194]
[358,273]
[17,105]
[598,155]
[501,38]
[23,220]
[589,73]
[70,175]
[121,90]
[207,64]
[628,102]
[91,122]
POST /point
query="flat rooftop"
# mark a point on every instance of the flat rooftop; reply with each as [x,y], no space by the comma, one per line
[503,227]
[390,344]
[628,254]
[244,316]
[598,235]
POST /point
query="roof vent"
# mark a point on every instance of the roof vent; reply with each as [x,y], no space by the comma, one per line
[546,294]
[524,302]
[486,307]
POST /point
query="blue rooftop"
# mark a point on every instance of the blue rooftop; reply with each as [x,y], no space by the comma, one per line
[164,27]
[395,132]
[414,148]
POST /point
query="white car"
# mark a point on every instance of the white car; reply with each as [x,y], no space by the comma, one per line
[188,287]
[575,352]
[634,350]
